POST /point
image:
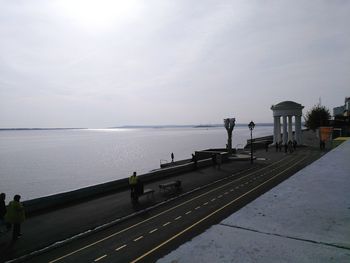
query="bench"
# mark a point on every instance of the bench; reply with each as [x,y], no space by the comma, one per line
[140,191]
[170,186]
[148,192]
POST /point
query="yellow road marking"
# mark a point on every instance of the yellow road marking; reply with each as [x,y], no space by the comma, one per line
[97,259]
[121,247]
[211,214]
[168,210]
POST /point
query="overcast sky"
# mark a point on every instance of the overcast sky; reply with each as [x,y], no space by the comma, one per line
[103,63]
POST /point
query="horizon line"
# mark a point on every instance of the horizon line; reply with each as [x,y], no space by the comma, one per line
[134,126]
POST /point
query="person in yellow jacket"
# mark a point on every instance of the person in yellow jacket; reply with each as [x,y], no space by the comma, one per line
[133,181]
[15,215]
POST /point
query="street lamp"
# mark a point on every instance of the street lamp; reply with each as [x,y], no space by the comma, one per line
[251,126]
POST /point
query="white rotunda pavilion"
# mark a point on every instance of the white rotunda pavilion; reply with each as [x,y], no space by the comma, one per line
[287,110]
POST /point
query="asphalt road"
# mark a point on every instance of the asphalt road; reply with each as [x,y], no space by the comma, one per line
[148,237]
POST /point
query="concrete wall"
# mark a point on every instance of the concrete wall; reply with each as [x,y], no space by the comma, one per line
[207,154]
[71,197]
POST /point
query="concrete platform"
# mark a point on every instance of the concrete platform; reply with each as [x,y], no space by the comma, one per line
[304,219]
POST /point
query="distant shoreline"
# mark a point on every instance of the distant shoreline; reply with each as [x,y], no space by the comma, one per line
[136,127]
[39,129]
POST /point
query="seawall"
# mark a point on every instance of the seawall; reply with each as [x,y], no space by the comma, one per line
[58,200]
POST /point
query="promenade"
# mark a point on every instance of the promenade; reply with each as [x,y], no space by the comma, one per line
[304,219]
[52,229]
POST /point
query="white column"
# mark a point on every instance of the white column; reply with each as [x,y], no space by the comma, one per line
[298,129]
[275,134]
[284,129]
[278,129]
[274,130]
[290,129]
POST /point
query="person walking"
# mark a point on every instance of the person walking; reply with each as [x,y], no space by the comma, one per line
[172,157]
[133,181]
[15,215]
[2,212]
[267,146]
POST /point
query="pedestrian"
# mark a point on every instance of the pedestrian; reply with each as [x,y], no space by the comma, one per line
[290,146]
[266,146]
[276,145]
[295,144]
[2,212]
[280,146]
[213,158]
[172,157]
[218,160]
[133,181]
[285,147]
[15,215]
[194,160]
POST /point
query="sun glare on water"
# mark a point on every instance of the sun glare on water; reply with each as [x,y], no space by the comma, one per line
[94,15]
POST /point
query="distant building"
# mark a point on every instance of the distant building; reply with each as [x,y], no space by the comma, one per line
[341,121]
[338,111]
[343,110]
[347,107]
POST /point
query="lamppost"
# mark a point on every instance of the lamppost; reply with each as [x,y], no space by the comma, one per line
[229,125]
[251,126]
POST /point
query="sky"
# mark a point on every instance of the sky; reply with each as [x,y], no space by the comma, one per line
[106,63]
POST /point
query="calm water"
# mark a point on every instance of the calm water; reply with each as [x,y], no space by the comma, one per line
[45,162]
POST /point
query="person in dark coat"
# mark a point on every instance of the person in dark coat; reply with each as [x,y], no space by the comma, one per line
[2,206]
[295,144]
[213,158]
[172,157]
[2,210]
[194,160]
[266,146]
[290,146]
[218,160]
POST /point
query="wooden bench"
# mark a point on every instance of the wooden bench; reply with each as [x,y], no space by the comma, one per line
[170,186]
[148,192]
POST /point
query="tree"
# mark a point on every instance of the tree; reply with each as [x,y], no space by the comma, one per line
[318,116]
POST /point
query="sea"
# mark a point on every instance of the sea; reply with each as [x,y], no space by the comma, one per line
[37,163]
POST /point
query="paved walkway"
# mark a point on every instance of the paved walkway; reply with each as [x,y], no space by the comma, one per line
[44,230]
[304,219]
